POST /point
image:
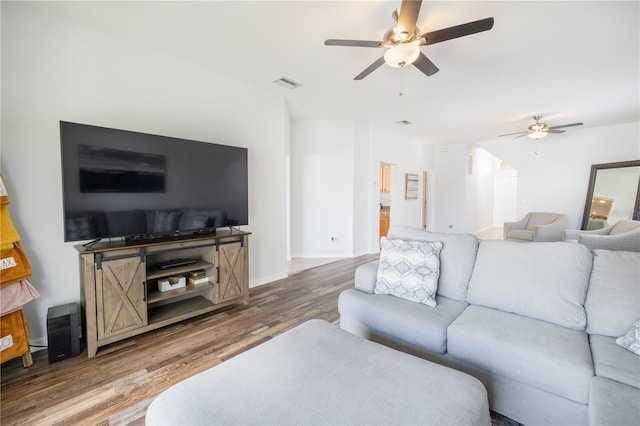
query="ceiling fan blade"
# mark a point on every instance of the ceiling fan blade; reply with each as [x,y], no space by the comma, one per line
[549,130]
[425,65]
[511,134]
[562,126]
[518,137]
[457,31]
[408,16]
[371,68]
[354,43]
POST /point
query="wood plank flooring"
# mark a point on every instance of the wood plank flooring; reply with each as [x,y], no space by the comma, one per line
[116,386]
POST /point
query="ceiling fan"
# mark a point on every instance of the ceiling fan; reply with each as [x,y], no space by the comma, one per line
[539,130]
[404,40]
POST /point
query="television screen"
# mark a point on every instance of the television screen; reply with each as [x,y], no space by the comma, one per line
[119,183]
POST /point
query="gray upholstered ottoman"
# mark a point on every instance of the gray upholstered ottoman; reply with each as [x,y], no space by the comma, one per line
[317,373]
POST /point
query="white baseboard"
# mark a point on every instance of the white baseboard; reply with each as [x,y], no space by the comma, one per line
[322,256]
[38,344]
[266,280]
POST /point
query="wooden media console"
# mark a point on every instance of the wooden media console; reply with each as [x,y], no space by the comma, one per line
[119,283]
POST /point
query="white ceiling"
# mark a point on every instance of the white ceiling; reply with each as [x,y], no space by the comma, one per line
[568,61]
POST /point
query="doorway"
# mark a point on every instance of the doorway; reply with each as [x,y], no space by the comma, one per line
[385,199]
[425,198]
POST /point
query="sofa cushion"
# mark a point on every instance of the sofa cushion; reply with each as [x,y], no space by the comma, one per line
[614,362]
[541,354]
[614,291]
[399,321]
[457,257]
[546,281]
[612,403]
[631,340]
[409,269]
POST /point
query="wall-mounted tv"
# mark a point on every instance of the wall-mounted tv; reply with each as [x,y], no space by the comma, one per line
[119,183]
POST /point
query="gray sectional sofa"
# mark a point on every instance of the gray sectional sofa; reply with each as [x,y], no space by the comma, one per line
[537,323]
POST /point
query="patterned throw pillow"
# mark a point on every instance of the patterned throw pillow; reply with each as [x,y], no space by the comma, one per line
[631,340]
[409,269]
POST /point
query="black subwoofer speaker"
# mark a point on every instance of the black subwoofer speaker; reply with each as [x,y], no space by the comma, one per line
[63,332]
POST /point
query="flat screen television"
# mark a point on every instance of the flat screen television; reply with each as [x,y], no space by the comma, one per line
[138,186]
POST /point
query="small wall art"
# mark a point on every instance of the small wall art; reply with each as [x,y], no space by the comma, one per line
[411,186]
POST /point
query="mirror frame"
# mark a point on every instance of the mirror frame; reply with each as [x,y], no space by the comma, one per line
[592,184]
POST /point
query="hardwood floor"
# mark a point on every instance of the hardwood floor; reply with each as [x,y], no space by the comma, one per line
[297,265]
[116,386]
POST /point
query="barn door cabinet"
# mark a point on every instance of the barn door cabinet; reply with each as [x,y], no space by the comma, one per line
[119,283]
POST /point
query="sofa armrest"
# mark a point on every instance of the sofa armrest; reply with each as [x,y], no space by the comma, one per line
[510,226]
[574,234]
[571,234]
[629,241]
[601,231]
[365,277]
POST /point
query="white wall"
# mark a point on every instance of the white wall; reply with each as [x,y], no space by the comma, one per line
[361,222]
[479,197]
[505,193]
[322,188]
[450,188]
[553,173]
[56,70]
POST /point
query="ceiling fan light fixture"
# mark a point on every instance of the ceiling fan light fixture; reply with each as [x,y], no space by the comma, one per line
[538,130]
[401,54]
[537,134]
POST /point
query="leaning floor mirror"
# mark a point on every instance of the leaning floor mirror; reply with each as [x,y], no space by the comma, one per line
[613,194]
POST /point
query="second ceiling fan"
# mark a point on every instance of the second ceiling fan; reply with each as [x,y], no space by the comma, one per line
[539,130]
[403,41]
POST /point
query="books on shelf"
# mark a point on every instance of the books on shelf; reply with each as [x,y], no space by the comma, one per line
[196,281]
[198,276]
[197,273]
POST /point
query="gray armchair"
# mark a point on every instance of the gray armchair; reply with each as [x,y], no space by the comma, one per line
[536,226]
[624,235]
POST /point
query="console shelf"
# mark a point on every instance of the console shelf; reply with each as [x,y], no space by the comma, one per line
[155,296]
[155,272]
[187,308]
[119,283]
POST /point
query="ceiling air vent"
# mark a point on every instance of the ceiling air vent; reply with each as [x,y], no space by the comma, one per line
[285,82]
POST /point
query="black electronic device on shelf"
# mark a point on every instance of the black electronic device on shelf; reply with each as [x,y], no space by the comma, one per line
[176,263]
